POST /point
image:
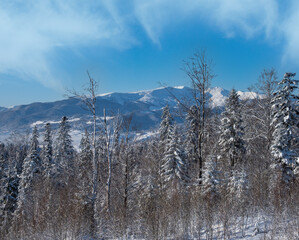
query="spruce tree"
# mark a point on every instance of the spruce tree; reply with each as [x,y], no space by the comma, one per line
[238,184]
[64,152]
[85,181]
[174,165]
[4,183]
[165,126]
[48,152]
[211,179]
[31,174]
[10,186]
[231,137]
[85,167]
[284,148]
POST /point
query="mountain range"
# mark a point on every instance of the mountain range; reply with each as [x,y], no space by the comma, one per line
[145,107]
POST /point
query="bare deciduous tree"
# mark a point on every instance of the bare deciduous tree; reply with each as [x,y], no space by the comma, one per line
[199,68]
[111,135]
[89,99]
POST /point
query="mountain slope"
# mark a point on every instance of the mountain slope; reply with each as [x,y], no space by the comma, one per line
[144,106]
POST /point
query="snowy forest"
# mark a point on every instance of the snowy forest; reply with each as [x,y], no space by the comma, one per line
[221,174]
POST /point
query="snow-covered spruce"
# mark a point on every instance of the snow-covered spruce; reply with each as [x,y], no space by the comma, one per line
[165,125]
[4,183]
[211,181]
[231,141]
[47,153]
[31,173]
[174,166]
[238,184]
[285,113]
[85,168]
[64,152]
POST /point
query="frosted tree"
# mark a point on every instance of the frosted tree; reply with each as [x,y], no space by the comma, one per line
[4,183]
[111,133]
[31,174]
[89,101]
[261,113]
[48,152]
[211,179]
[85,167]
[238,189]
[231,142]
[85,180]
[174,166]
[130,177]
[238,184]
[3,167]
[9,182]
[285,112]
[165,126]
[199,69]
[64,151]
[164,134]
[192,140]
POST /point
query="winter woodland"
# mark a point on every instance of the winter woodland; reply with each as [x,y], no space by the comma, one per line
[222,174]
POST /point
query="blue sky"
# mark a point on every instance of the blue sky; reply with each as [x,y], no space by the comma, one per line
[47,46]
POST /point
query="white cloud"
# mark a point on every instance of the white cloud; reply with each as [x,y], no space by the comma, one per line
[32,30]
[233,17]
[289,29]
[276,21]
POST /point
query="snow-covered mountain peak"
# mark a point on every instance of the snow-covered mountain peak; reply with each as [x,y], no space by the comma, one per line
[145,106]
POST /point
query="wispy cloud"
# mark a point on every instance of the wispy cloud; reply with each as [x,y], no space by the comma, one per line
[276,21]
[290,33]
[31,30]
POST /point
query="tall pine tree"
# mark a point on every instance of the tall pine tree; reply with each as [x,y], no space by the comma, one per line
[85,167]
[48,152]
[174,166]
[285,122]
[231,142]
[31,174]
[4,183]
[64,152]
[165,126]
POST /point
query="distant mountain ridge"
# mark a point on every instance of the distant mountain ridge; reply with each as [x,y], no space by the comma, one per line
[144,106]
[2,109]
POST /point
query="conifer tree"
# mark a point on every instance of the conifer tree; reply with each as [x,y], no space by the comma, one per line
[85,167]
[174,165]
[238,184]
[31,174]
[48,152]
[231,142]
[64,151]
[9,186]
[211,179]
[85,180]
[284,148]
[165,126]
[4,183]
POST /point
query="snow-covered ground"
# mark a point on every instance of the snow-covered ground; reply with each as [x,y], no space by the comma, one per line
[256,228]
